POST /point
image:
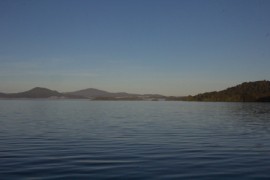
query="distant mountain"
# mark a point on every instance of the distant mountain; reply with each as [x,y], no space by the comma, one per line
[89,93]
[100,94]
[258,91]
[37,92]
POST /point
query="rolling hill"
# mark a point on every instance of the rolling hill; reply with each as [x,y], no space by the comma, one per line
[90,93]
[258,91]
[100,94]
[38,92]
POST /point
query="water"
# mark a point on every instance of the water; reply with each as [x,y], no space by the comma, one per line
[50,139]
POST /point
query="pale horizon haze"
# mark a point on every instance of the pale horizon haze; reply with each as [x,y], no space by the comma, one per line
[169,47]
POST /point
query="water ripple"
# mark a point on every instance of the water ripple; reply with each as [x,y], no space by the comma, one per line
[134,140]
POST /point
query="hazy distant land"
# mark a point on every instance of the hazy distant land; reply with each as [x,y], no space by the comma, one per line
[258,91]
[90,93]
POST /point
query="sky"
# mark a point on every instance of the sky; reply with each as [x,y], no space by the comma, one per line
[170,47]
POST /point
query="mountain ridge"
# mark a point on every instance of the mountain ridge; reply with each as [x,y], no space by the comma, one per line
[89,93]
[96,93]
[37,92]
[256,91]
[92,93]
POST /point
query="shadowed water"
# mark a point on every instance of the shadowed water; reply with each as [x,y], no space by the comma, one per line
[47,139]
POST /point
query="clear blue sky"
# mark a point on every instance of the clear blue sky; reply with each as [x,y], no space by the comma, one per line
[171,47]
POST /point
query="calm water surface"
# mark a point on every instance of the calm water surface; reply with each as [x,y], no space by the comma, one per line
[47,139]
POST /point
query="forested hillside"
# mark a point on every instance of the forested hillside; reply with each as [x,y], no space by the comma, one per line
[245,92]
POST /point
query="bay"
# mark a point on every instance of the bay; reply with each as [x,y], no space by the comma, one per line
[79,139]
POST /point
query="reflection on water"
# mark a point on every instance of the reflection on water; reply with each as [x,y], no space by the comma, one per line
[49,139]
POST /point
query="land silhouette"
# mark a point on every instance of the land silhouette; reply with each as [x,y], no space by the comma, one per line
[90,93]
[258,91]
